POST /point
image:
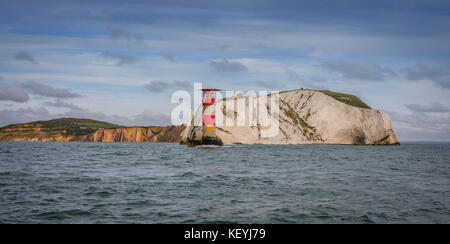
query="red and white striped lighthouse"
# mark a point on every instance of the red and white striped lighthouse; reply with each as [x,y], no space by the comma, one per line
[209,118]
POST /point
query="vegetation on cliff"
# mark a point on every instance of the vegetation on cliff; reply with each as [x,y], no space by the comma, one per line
[351,100]
[73,129]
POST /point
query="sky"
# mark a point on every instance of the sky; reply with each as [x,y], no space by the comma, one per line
[120,61]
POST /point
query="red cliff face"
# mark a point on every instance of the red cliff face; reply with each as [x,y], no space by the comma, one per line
[137,134]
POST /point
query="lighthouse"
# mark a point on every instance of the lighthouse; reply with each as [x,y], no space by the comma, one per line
[209,118]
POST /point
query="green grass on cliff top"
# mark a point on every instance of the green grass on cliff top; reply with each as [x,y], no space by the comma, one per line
[351,100]
[348,99]
[98,125]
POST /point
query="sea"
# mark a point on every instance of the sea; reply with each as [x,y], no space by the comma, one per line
[248,184]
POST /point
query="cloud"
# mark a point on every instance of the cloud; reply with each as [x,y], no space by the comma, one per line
[26,115]
[149,118]
[121,34]
[358,71]
[308,83]
[25,56]
[122,59]
[440,75]
[226,66]
[269,84]
[157,86]
[419,127]
[23,115]
[61,104]
[13,93]
[47,91]
[146,118]
[168,57]
[18,92]
[161,86]
[139,37]
[431,108]
[116,33]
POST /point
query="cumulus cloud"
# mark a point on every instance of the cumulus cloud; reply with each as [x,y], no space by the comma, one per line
[47,91]
[440,75]
[25,56]
[122,59]
[224,65]
[161,86]
[358,71]
[13,93]
[431,108]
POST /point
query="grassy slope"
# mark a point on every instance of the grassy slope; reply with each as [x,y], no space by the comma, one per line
[52,128]
[348,99]
[99,125]
[351,100]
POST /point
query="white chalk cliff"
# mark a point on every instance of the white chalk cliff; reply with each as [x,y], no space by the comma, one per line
[304,117]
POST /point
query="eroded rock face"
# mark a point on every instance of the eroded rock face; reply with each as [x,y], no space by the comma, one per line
[305,117]
[137,134]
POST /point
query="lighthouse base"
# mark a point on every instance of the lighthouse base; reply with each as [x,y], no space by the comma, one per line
[204,141]
[198,136]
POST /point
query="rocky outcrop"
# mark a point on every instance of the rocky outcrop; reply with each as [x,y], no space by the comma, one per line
[305,117]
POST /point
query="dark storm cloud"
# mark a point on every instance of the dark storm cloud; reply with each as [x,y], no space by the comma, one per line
[47,91]
[13,93]
[226,66]
[25,56]
[439,74]
[432,108]
[161,86]
[122,59]
[358,71]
